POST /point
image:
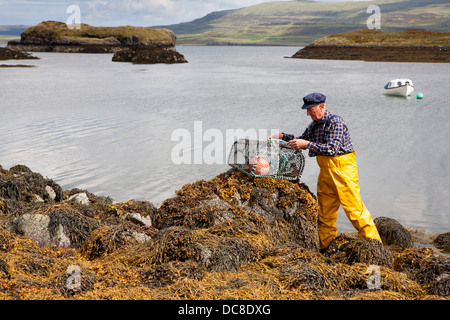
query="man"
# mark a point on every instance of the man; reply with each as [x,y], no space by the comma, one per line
[328,139]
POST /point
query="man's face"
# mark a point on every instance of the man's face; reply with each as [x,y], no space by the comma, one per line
[316,113]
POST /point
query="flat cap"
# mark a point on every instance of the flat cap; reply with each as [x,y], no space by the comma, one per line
[313,99]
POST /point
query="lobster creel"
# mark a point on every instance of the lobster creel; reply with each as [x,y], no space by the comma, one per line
[268,158]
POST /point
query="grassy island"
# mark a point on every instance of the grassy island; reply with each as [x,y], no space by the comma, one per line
[375,45]
[129,44]
[87,33]
[367,37]
[56,36]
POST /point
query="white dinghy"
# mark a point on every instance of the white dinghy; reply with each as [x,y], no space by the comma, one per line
[399,87]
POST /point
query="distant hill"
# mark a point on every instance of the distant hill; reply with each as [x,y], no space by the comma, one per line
[14,30]
[11,32]
[301,22]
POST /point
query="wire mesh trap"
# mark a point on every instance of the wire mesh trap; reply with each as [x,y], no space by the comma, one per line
[270,158]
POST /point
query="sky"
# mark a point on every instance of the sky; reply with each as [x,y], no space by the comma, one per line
[116,12]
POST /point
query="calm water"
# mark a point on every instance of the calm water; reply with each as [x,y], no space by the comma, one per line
[104,126]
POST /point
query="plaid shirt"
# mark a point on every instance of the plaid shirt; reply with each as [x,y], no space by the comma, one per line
[328,137]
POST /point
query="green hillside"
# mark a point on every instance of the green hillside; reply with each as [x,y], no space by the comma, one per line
[300,22]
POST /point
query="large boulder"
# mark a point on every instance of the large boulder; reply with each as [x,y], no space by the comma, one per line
[442,241]
[20,184]
[62,227]
[353,249]
[148,56]
[284,211]
[393,234]
[11,54]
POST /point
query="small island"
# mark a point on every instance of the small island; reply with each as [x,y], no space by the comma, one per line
[54,36]
[374,45]
[10,54]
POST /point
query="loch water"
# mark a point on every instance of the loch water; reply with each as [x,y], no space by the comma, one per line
[107,127]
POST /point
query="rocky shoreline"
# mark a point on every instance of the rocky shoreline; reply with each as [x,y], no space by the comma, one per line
[231,237]
[149,56]
[11,54]
[434,54]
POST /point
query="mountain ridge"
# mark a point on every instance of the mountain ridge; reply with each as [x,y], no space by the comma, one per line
[301,22]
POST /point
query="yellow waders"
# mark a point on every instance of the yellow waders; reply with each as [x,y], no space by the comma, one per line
[338,184]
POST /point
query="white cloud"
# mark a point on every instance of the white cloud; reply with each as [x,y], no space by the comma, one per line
[152,12]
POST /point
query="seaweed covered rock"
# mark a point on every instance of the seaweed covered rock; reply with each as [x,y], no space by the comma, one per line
[231,237]
[107,239]
[442,241]
[205,251]
[139,212]
[62,226]
[12,54]
[74,279]
[21,185]
[303,275]
[426,267]
[352,250]
[148,56]
[392,233]
[282,210]
[434,274]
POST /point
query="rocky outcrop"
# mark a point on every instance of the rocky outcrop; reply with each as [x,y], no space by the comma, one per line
[442,241]
[54,36]
[433,54]
[375,45]
[11,54]
[230,237]
[19,186]
[393,234]
[64,227]
[282,211]
[148,56]
[146,45]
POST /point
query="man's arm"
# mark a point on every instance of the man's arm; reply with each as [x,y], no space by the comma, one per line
[300,142]
[276,136]
[295,142]
[333,140]
[282,136]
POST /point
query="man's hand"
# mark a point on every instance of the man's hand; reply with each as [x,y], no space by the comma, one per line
[275,136]
[299,144]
